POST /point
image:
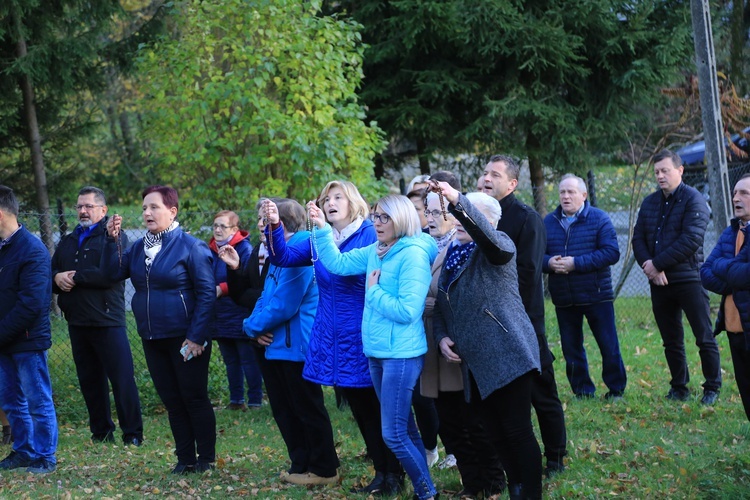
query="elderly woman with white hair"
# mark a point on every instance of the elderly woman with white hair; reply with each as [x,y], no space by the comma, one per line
[480,322]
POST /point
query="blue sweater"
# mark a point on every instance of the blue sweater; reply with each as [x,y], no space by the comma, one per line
[25,294]
[229,315]
[335,355]
[592,242]
[725,274]
[286,308]
[392,326]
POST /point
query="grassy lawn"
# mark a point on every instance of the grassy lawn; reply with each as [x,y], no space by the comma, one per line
[640,447]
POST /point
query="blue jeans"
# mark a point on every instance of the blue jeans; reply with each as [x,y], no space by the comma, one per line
[26,398]
[239,359]
[394,381]
[601,319]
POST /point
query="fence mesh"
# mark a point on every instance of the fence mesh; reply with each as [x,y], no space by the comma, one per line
[633,306]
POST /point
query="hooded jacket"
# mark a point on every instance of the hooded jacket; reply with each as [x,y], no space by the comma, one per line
[335,355]
[286,308]
[392,326]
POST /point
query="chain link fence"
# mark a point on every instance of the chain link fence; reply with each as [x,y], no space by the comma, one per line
[633,306]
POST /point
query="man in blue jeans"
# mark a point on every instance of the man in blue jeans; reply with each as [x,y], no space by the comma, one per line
[581,247]
[25,336]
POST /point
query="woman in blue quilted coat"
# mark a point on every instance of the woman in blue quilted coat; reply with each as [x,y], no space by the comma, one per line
[334,355]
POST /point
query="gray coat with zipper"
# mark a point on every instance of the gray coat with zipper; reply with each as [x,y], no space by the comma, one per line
[481,309]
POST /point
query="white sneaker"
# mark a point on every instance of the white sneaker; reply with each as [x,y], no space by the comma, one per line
[448,462]
[432,456]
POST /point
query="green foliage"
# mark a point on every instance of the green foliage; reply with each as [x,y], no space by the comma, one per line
[255,99]
[559,80]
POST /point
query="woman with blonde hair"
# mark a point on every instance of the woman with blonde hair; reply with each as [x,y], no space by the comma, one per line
[397,267]
[334,355]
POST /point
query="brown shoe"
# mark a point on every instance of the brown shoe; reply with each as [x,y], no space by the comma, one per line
[310,479]
[237,406]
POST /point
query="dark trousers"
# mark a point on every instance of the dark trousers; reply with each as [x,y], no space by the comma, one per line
[183,388]
[739,345]
[366,411]
[506,415]
[549,413]
[101,354]
[462,431]
[668,302]
[601,319]
[427,418]
[242,366]
[302,418]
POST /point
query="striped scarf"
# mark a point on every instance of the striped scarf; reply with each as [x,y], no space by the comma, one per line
[152,243]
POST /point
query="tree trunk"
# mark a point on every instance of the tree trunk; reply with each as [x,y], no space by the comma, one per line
[737,44]
[424,162]
[34,140]
[536,174]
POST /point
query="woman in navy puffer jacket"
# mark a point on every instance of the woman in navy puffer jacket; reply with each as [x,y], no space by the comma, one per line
[335,356]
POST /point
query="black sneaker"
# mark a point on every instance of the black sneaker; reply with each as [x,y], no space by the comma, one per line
[394,485]
[553,467]
[41,466]
[15,461]
[678,394]
[183,469]
[204,466]
[132,440]
[103,438]
[374,487]
[614,395]
[709,397]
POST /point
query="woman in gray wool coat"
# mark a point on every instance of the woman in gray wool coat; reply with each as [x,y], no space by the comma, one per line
[480,322]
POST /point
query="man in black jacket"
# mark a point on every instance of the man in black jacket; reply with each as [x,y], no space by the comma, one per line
[525,227]
[668,245]
[94,307]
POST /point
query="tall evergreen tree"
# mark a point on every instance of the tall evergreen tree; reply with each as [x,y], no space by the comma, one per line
[557,82]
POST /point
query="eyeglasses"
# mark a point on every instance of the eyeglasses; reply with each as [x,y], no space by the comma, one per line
[222,226]
[87,206]
[432,213]
[383,218]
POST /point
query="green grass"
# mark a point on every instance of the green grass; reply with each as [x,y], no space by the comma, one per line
[639,447]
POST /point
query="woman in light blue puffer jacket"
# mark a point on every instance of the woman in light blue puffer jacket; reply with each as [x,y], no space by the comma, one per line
[398,277]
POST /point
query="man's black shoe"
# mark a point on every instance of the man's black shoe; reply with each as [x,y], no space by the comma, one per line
[15,461]
[553,467]
[103,438]
[132,440]
[678,394]
[377,484]
[183,469]
[614,395]
[709,398]
[394,484]
[204,466]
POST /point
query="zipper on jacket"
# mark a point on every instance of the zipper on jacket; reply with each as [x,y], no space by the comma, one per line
[148,303]
[288,335]
[184,306]
[460,208]
[489,313]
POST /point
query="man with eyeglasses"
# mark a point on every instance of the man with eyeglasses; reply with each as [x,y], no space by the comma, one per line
[94,307]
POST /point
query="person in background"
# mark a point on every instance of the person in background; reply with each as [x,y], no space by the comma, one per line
[418,182]
[727,273]
[173,305]
[25,337]
[668,245]
[581,247]
[94,307]
[417,197]
[236,349]
[281,322]
[334,355]
[398,276]
[479,322]
[525,228]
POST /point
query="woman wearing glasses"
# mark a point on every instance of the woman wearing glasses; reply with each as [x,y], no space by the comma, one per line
[397,269]
[236,348]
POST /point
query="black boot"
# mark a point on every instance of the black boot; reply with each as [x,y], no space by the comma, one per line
[375,486]
[394,485]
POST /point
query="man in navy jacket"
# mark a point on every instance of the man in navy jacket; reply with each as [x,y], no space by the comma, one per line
[728,276]
[581,247]
[94,306]
[25,336]
[668,245]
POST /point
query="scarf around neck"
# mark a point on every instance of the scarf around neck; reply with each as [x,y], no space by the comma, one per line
[350,229]
[152,243]
[445,239]
[457,256]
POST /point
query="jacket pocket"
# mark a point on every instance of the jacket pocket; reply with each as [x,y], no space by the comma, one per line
[288,339]
[494,318]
